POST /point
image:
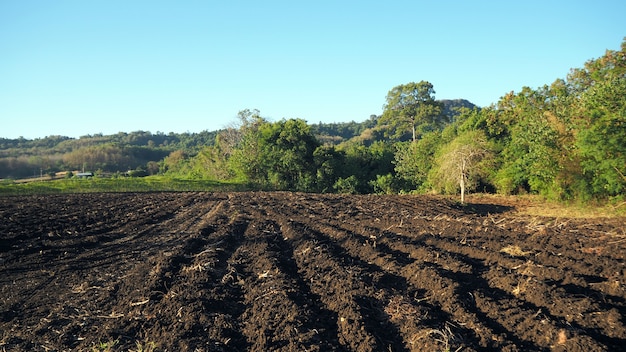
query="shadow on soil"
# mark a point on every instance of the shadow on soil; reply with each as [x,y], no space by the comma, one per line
[483,209]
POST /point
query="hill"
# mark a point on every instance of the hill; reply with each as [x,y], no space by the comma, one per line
[451,108]
[123,151]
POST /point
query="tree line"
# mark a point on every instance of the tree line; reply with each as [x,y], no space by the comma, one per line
[123,151]
[565,140]
[143,150]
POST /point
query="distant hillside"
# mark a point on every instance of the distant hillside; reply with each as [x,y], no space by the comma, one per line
[337,132]
[451,107]
[123,151]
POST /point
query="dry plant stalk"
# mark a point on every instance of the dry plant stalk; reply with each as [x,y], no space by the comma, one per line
[400,308]
[444,336]
[515,251]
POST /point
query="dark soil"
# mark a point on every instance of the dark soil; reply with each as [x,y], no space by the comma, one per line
[304,272]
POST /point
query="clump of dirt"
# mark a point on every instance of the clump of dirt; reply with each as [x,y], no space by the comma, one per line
[304,272]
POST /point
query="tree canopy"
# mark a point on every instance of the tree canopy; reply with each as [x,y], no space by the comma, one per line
[411,106]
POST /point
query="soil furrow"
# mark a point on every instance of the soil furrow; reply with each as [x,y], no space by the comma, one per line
[258,271]
[422,288]
[317,323]
[366,247]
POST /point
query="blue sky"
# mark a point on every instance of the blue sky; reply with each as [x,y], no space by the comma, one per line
[74,68]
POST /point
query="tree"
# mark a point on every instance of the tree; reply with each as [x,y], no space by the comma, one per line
[410,106]
[329,163]
[598,121]
[413,161]
[174,162]
[460,162]
[241,147]
[277,155]
[366,163]
[288,152]
[601,140]
[530,152]
[152,167]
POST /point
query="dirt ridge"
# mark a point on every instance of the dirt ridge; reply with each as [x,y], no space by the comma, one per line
[281,271]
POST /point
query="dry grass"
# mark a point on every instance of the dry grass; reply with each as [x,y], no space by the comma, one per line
[514,251]
[534,205]
[556,210]
[148,346]
[444,337]
[401,308]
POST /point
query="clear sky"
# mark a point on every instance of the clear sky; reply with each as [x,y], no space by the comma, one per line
[82,67]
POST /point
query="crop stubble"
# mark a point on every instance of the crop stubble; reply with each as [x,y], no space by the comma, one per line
[285,271]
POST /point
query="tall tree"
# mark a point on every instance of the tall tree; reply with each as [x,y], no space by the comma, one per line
[410,106]
[245,157]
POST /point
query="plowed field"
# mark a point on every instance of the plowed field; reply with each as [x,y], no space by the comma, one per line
[304,272]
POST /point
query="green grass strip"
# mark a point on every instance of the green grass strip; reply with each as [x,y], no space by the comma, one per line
[99,185]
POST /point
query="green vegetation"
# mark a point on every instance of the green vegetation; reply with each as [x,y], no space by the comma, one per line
[20,158]
[96,184]
[565,141]
[412,107]
[105,346]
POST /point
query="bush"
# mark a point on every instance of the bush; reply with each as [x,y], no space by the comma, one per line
[347,185]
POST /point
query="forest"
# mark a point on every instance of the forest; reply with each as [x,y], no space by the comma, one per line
[565,141]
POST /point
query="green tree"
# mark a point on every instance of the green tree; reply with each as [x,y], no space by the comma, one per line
[174,162]
[243,147]
[278,155]
[290,147]
[529,157]
[413,161]
[347,185]
[365,163]
[410,107]
[611,65]
[385,184]
[329,163]
[601,139]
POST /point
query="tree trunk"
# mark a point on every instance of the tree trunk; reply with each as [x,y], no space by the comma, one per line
[462,180]
[462,189]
